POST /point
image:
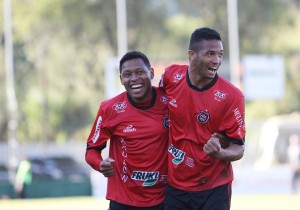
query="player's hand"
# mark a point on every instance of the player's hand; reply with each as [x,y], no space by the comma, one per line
[213,147]
[106,167]
[222,139]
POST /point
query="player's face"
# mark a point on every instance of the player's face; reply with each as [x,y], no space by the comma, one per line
[208,59]
[136,78]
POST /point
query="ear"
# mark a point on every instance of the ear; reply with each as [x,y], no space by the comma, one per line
[191,55]
[121,79]
[152,72]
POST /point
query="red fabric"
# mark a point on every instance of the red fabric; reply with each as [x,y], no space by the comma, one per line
[138,144]
[195,114]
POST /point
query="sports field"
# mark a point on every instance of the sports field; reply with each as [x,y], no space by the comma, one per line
[239,202]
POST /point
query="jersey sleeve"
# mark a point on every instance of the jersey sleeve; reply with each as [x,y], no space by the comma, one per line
[233,123]
[164,79]
[97,140]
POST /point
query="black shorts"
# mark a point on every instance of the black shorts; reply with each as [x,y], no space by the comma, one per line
[119,206]
[213,199]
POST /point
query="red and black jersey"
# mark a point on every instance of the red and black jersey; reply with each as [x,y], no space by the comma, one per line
[195,114]
[138,144]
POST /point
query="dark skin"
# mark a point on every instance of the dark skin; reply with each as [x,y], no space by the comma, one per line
[203,66]
[230,152]
[136,78]
[106,167]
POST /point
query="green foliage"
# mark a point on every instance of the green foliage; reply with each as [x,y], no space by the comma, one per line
[61,48]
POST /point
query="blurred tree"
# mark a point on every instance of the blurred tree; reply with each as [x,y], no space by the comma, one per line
[273,27]
[61,48]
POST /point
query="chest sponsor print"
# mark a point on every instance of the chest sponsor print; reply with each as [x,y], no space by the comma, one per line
[177,154]
[149,178]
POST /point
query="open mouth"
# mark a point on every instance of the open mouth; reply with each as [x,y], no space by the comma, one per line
[136,86]
[212,69]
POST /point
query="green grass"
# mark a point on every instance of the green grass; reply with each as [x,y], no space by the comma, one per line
[239,202]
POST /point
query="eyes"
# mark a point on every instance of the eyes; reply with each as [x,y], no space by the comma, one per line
[128,74]
[213,53]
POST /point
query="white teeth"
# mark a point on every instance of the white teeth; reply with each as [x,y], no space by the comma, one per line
[136,86]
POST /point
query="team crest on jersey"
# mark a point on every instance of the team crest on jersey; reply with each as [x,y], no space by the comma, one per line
[203,117]
[164,99]
[149,178]
[97,129]
[120,106]
[166,121]
[177,77]
[219,96]
[177,154]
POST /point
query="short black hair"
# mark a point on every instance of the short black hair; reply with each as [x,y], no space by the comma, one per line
[132,55]
[201,34]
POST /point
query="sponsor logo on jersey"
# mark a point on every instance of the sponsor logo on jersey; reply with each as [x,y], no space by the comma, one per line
[219,96]
[120,106]
[240,121]
[203,117]
[177,154]
[164,99]
[124,173]
[97,129]
[177,77]
[189,162]
[129,129]
[173,103]
[166,121]
[149,178]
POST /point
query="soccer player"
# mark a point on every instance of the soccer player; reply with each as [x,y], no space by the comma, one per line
[202,105]
[136,122]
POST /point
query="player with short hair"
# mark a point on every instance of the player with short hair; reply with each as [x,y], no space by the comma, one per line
[202,104]
[136,122]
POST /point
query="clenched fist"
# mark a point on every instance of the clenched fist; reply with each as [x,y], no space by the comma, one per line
[106,167]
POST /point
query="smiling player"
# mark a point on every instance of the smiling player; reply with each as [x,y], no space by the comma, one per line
[202,105]
[136,122]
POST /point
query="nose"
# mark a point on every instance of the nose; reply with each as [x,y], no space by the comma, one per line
[134,76]
[217,59]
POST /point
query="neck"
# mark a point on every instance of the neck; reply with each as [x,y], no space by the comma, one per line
[198,80]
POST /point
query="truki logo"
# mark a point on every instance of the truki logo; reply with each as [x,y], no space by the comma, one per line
[177,154]
[149,178]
